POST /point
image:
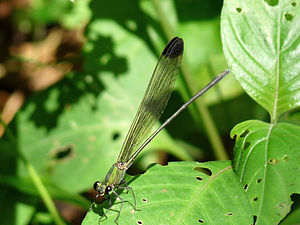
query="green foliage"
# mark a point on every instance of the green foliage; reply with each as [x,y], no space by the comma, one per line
[71,133]
[182,193]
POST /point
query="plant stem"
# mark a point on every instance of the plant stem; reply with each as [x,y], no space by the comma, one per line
[44,193]
[164,22]
[37,181]
[209,126]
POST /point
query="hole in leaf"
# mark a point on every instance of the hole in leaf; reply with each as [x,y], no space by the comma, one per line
[115,136]
[259,180]
[288,16]
[239,10]
[255,199]
[272,2]
[245,133]
[201,221]
[199,178]
[273,161]
[296,200]
[286,158]
[245,186]
[203,170]
[294,4]
[63,152]
[230,214]
[207,171]
[144,200]
[254,219]
[139,222]
[246,145]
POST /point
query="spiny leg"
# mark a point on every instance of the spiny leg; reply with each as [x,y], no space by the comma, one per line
[122,202]
[129,188]
[109,206]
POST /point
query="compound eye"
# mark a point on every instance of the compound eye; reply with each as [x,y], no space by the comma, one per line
[96,185]
[108,189]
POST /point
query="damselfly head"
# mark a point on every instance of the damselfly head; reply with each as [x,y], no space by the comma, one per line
[102,188]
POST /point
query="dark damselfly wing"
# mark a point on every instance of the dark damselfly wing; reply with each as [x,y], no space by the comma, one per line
[155,99]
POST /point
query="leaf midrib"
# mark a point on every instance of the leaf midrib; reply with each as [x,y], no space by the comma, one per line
[265,172]
[274,114]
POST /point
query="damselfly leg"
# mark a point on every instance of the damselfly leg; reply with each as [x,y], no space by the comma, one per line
[109,206]
[123,182]
[129,189]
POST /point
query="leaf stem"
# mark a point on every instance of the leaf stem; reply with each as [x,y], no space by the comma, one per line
[209,126]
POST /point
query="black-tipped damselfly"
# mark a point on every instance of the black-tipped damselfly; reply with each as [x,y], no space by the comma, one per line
[152,106]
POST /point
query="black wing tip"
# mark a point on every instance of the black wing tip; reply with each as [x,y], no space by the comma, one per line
[174,48]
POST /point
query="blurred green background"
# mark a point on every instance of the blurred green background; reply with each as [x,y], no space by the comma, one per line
[72,75]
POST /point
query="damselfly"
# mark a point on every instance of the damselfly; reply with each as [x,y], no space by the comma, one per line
[152,106]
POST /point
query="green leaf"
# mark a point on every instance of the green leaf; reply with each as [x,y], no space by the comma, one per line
[267,159]
[261,45]
[181,193]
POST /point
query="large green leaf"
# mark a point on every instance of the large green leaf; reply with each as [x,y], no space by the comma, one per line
[261,45]
[182,193]
[267,160]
